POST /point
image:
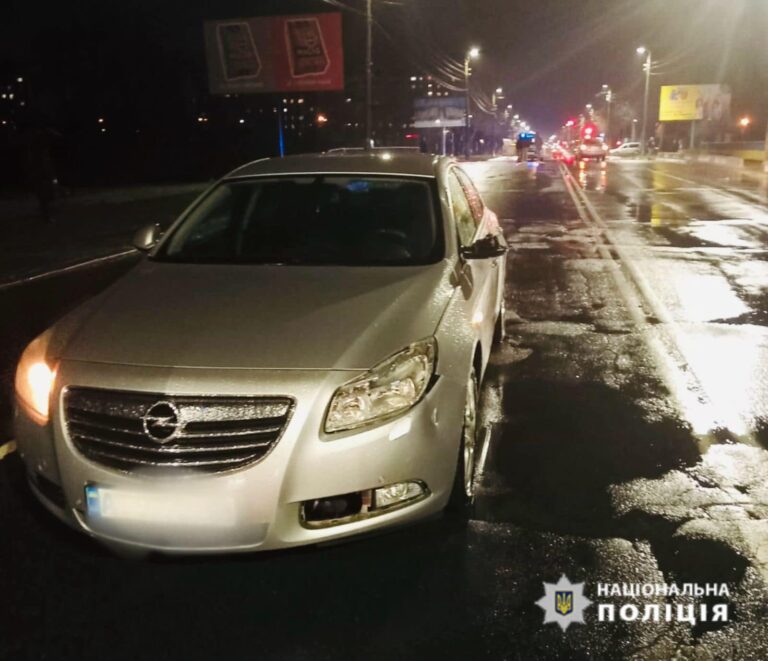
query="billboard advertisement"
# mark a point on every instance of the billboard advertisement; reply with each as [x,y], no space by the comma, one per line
[695,102]
[300,53]
[434,112]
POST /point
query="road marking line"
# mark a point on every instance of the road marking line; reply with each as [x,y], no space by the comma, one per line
[6,449]
[66,269]
[676,370]
[744,197]
[480,465]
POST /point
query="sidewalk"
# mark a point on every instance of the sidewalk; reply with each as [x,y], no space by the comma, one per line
[87,224]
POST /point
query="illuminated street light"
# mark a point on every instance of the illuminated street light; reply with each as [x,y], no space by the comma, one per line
[472,54]
[744,123]
[321,119]
[642,50]
[607,94]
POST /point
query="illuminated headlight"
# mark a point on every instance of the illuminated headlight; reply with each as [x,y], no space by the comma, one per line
[388,389]
[35,378]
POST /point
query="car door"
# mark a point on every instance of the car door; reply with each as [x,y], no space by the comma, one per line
[480,276]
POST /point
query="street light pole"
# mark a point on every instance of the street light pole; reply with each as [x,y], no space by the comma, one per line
[369,75]
[466,106]
[644,132]
[472,52]
[608,92]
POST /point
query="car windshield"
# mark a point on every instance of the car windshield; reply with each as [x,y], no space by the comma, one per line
[593,143]
[312,219]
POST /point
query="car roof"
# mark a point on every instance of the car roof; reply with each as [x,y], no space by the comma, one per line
[379,161]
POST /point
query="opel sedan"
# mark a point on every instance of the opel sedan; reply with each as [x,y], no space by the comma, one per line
[297,360]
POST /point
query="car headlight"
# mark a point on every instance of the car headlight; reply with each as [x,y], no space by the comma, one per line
[386,390]
[35,378]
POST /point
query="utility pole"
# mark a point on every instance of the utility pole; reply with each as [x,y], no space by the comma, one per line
[471,53]
[765,161]
[608,94]
[369,75]
[644,132]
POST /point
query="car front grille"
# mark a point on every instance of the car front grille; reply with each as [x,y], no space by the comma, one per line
[131,430]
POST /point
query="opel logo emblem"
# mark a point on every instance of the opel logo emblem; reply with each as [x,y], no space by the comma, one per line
[161,422]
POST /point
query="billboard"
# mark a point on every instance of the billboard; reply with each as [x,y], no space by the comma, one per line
[695,102]
[436,112]
[300,53]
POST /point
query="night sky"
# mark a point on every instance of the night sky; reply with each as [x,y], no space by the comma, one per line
[550,56]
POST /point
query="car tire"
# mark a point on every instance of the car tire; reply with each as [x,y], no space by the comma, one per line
[462,497]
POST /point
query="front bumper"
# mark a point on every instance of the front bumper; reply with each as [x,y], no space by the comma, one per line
[258,506]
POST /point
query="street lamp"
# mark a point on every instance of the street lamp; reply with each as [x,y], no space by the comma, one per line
[368,75]
[744,123]
[472,54]
[607,93]
[642,50]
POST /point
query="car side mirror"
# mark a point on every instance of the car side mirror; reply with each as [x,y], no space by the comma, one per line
[486,247]
[147,237]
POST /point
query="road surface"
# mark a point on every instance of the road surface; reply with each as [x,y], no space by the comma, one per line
[627,415]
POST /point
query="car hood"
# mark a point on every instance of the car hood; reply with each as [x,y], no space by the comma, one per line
[271,317]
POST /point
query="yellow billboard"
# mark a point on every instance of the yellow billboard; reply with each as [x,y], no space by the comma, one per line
[693,102]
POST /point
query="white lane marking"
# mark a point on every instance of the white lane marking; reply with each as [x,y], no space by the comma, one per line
[752,201]
[6,449]
[480,465]
[666,345]
[66,269]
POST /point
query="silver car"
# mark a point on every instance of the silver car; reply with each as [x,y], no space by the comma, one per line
[297,360]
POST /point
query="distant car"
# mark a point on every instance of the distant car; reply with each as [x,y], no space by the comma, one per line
[626,149]
[297,360]
[566,156]
[592,149]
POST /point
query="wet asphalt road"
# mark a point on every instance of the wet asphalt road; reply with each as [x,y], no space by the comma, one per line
[627,445]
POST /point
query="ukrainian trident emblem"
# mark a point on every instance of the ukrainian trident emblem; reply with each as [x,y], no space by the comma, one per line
[564,602]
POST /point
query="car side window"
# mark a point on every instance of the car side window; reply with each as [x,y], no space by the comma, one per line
[473,197]
[462,213]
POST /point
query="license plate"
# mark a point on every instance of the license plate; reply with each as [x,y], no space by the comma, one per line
[164,506]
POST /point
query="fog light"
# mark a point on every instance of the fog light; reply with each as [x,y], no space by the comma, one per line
[336,507]
[345,508]
[397,493]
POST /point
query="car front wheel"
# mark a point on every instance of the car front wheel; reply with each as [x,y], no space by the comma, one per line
[463,493]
